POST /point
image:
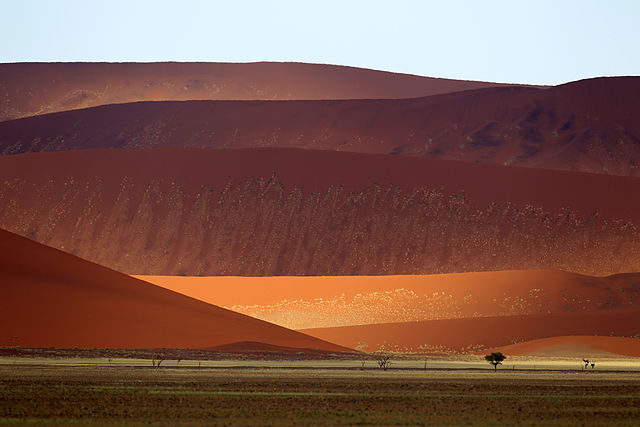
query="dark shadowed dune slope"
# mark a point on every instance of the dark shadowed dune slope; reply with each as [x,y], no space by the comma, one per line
[260,212]
[53,299]
[590,126]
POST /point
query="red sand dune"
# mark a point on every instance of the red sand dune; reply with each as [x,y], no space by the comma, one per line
[216,212]
[590,126]
[329,301]
[474,334]
[578,346]
[38,88]
[53,299]
[251,346]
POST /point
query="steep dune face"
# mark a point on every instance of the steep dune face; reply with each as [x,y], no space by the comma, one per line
[589,126]
[475,334]
[312,302]
[53,299]
[208,212]
[30,89]
[575,346]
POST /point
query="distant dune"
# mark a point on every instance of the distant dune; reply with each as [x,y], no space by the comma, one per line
[329,301]
[474,334]
[38,88]
[589,126]
[578,346]
[52,299]
[274,212]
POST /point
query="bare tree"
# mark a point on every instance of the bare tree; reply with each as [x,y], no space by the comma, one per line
[157,360]
[383,361]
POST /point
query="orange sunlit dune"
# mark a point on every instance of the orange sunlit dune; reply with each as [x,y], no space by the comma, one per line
[328,301]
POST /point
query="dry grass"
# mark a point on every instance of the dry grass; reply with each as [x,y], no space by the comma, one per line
[120,395]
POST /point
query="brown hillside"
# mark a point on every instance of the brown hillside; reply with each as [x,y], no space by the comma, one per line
[30,89]
[217,212]
[590,126]
[53,299]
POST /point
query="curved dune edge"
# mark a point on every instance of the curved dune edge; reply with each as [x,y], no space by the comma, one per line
[575,346]
[300,302]
[53,299]
[40,88]
[472,335]
[589,126]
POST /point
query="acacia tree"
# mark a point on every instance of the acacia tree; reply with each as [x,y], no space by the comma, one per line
[383,361]
[495,359]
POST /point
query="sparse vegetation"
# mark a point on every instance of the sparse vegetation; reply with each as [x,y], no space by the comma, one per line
[127,396]
[495,359]
[383,360]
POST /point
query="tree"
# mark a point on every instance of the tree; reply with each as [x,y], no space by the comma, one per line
[383,361]
[157,360]
[495,359]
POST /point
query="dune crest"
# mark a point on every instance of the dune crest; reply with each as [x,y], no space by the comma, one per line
[40,88]
[53,299]
[588,126]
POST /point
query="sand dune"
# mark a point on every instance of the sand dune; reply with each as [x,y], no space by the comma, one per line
[252,346]
[473,335]
[311,302]
[216,212]
[38,88]
[52,299]
[589,126]
[576,346]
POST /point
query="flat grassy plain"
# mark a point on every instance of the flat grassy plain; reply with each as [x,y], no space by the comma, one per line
[130,395]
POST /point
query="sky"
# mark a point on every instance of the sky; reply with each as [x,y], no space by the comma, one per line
[515,41]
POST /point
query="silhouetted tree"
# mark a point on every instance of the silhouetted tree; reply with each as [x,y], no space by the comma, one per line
[495,359]
[157,360]
[383,361]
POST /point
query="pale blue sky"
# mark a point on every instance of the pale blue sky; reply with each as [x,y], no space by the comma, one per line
[535,41]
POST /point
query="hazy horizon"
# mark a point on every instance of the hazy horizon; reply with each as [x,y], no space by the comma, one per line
[499,41]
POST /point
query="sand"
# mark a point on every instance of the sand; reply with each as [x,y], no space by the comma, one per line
[330,301]
[53,299]
[579,346]
[274,212]
[475,334]
[589,126]
[39,88]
